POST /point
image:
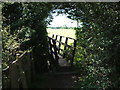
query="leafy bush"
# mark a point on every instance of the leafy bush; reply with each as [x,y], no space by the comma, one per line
[98,41]
[26,29]
[97,45]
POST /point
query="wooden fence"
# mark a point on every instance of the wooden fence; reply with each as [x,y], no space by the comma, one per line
[19,74]
[56,48]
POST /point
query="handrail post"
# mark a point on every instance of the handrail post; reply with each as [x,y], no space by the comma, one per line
[55,51]
[51,67]
[50,44]
[53,36]
[73,52]
[60,44]
[13,72]
[65,46]
[32,66]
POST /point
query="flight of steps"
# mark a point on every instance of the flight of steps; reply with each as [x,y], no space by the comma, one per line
[65,70]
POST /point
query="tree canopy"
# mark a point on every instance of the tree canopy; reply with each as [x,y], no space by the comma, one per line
[24,27]
[98,45]
[98,41]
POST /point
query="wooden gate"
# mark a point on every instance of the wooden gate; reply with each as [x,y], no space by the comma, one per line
[56,50]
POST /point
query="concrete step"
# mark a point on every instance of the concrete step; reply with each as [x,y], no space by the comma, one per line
[64,73]
[65,69]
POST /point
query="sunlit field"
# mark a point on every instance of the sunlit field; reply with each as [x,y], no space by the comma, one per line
[62,32]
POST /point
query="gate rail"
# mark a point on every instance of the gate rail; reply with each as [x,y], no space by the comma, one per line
[55,47]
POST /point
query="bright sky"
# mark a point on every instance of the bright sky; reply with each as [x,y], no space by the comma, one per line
[61,20]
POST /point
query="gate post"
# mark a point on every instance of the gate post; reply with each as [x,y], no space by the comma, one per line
[13,71]
[53,36]
[60,44]
[73,52]
[55,51]
[65,46]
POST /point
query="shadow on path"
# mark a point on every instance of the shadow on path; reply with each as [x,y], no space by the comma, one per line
[57,80]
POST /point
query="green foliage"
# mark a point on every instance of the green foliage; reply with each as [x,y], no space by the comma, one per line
[36,15]
[12,13]
[10,46]
[24,27]
[98,41]
[98,46]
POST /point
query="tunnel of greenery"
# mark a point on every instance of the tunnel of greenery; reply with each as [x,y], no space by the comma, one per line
[25,24]
[98,40]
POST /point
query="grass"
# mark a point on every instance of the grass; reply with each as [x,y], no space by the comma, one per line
[62,32]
